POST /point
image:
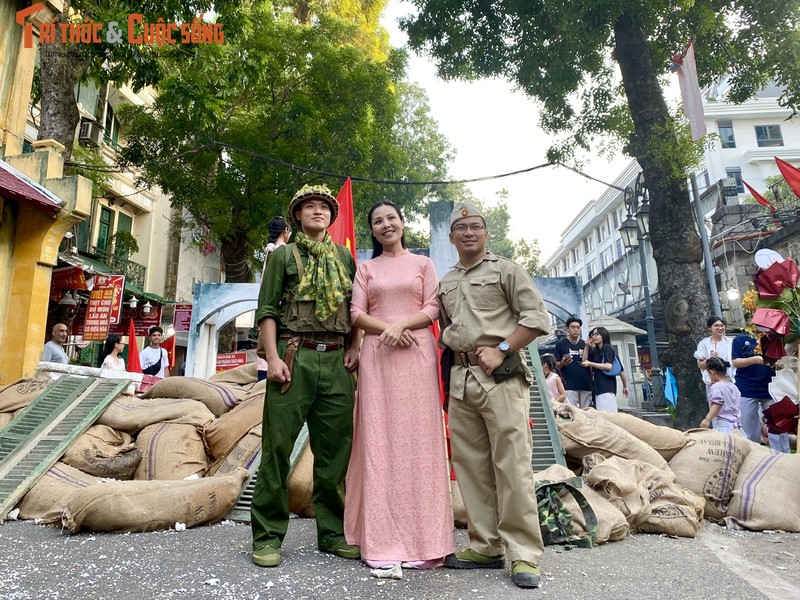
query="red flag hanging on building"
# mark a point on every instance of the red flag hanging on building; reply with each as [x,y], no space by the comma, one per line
[134,366]
[759,198]
[343,231]
[690,91]
[791,174]
[169,345]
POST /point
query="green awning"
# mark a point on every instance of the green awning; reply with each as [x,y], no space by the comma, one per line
[136,290]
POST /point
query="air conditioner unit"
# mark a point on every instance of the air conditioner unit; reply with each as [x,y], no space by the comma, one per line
[90,133]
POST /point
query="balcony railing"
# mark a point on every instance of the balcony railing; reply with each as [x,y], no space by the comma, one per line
[134,272]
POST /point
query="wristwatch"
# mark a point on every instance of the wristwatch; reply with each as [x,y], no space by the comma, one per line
[504,347]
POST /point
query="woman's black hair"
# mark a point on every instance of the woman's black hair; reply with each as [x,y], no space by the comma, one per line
[550,361]
[111,341]
[712,320]
[715,363]
[377,247]
[276,227]
[603,334]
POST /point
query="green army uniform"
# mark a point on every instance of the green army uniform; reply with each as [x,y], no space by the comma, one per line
[321,393]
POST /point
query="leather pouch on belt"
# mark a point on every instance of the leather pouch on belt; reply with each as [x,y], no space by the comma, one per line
[288,358]
[511,367]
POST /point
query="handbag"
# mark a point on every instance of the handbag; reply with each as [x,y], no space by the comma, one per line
[616,367]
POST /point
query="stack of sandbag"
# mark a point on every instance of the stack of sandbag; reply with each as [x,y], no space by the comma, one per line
[648,497]
[152,505]
[766,493]
[583,433]
[223,434]
[664,440]
[48,496]
[131,414]
[612,526]
[170,451]
[244,375]
[16,396]
[219,398]
[708,465]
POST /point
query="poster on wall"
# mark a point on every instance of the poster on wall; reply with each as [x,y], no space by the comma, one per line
[117,283]
[182,317]
[231,360]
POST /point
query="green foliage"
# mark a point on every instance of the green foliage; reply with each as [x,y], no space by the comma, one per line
[529,256]
[229,118]
[93,167]
[124,244]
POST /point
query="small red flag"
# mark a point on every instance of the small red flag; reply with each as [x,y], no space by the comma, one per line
[134,366]
[791,174]
[759,198]
[169,345]
[343,231]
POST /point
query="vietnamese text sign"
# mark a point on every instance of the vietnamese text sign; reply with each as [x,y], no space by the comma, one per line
[98,314]
[182,317]
[118,283]
[231,360]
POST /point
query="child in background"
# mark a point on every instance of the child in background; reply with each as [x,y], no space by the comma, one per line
[552,379]
[723,398]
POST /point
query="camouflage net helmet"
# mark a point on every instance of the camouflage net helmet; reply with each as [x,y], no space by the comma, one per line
[310,192]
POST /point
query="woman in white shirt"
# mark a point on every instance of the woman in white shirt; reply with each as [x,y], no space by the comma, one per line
[714,345]
[111,349]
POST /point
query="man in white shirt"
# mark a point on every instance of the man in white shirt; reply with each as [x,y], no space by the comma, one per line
[153,358]
[54,349]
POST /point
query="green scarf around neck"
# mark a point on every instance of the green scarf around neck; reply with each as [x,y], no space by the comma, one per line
[325,280]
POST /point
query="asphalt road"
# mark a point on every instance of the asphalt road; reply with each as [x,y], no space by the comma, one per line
[214,562]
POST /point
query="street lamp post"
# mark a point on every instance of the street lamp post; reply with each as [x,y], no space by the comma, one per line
[634,230]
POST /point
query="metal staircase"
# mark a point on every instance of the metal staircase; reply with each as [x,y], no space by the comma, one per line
[42,432]
[546,441]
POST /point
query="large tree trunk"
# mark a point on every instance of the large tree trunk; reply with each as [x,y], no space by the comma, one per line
[676,244]
[61,68]
[237,270]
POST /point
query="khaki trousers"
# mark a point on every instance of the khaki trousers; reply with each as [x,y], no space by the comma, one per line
[491,444]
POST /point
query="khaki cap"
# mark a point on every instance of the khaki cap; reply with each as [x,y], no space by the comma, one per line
[462,210]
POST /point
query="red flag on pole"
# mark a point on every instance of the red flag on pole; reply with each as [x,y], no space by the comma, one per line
[134,366]
[690,91]
[759,198]
[169,345]
[791,174]
[343,231]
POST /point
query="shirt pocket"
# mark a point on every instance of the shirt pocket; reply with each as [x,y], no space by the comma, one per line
[485,293]
[448,292]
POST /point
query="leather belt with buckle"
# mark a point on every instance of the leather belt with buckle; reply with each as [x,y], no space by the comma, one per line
[465,359]
[320,346]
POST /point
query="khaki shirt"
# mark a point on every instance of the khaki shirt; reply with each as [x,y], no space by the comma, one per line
[482,306]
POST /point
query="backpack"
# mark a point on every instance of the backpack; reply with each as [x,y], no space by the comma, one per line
[555,519]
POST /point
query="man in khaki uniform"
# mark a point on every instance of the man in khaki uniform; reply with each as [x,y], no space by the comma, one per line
[490,310]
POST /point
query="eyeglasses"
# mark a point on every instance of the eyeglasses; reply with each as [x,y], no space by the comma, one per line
[462,227]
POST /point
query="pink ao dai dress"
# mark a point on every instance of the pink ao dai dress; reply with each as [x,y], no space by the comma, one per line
[397,505]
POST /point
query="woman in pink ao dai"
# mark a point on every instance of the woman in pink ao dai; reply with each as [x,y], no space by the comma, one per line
[397,504]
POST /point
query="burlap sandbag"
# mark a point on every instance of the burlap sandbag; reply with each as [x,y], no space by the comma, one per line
[130,414]
[623,483]
[222,434]
[766,494]
[104,452]
[22,392]
[243,454]
[584,433]
[48,496]
[219,398]
[459,510]
[152,505]
[301,485]
[612,526]
[240,375]
[664,440]
[675,510]
[708,466]
[170,451]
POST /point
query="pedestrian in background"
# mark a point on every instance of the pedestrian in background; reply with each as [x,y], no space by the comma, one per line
[569,354]
[397,503]
[111,359]
[554,386]
[54,349]
[723,398]
[715,345]
[599,355]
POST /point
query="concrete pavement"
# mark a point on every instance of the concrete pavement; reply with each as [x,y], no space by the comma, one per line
[214,562]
